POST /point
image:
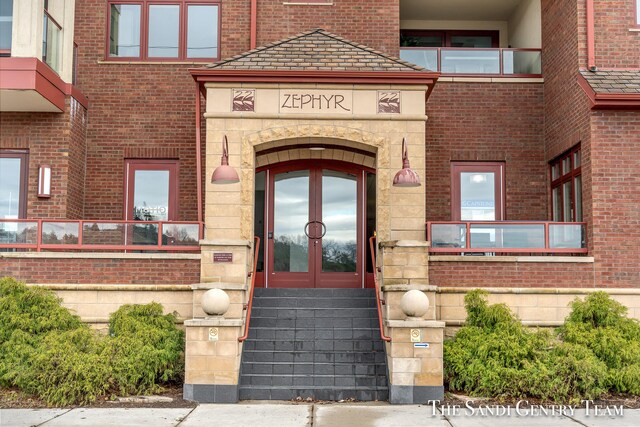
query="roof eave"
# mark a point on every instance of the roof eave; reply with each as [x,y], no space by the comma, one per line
[421,78]
[609,101]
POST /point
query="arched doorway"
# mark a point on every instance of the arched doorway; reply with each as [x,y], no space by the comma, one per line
[315,217]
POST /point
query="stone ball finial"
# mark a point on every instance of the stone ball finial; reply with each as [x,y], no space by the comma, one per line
[215,302]
[414,303]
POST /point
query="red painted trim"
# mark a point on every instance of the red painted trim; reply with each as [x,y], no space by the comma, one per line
[498,168]
[591,44]
[199,152]
[372,246]
[254,23]
[23,155]
[132,165]
[609,101]
[33,74]
[306,76]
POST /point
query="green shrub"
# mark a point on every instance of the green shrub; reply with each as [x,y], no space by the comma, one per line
[600,324]
[146,347]
[495,355]
[47,351]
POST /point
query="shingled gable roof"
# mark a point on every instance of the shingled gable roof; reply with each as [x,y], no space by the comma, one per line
[316,50]
[612,89]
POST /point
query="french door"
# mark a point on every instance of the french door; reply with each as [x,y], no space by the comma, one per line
[315,226]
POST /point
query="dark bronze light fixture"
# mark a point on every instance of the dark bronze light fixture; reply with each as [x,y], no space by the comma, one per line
[406,177]
[225,174]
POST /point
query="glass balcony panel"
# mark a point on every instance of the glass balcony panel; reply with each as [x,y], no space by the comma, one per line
[470,61]
[60,233]
[522,62]
[99,233]
[142,234]
[425,58]
[21,232]
[448,235]
[180,234]
[563,236]
[507,236]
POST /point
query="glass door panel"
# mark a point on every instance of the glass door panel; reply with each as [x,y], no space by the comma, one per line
[11,186]
[290,217]
[151,195]
[477,196]
[339,216]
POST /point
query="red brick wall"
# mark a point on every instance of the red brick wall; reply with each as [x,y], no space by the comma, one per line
[511,274]
[138,110]
[55,139]
[487,122]
[102,270]
[615,154]
[615,45]
[373,23]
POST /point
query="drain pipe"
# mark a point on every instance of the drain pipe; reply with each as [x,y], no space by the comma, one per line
[591,44]
[199,159]
[254,22]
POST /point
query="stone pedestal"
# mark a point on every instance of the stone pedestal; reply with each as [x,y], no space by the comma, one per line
[414,357]
[212,359]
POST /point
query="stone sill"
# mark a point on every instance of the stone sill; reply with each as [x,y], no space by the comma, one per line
[404,287]
[550,259]
[220,285]
[529,323]
[214,321]
[226,242]
[414,324]
[404,244]
[100,255]
[557,291]
[110,287]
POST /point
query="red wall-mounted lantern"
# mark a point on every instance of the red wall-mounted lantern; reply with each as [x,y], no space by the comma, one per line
[225,174]
[406,177]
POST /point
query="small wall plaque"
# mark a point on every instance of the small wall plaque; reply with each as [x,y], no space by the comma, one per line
[222,257]
[213,334]
[416,335]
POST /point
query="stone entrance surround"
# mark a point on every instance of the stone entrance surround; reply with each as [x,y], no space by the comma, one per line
[280,119]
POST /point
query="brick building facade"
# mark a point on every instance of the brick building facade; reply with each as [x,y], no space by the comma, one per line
[521,119]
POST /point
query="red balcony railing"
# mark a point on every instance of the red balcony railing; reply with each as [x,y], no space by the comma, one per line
[534,237]
[476,61]
[92,235]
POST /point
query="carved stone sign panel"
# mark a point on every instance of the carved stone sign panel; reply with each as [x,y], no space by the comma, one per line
[244,100]
[389,101]
[315,101]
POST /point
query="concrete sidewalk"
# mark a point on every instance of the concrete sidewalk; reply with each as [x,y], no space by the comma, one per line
[259,414]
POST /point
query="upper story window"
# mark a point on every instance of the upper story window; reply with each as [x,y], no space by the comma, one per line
[457,38]
[566,186]
[178,29]
[638,13]
[6,26]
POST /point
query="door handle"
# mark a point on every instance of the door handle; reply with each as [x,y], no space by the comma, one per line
[324,229]
[306,229]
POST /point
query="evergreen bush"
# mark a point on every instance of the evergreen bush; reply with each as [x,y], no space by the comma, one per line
[47,351]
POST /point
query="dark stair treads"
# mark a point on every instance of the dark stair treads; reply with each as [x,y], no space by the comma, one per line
[318,343]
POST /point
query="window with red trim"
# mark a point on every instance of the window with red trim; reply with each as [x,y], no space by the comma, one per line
[450,38]
[13,184]
[151,190]
[163,29]
[566,186]
[6,26]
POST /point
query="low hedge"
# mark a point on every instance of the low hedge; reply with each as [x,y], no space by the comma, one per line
[47,351]
[596,351]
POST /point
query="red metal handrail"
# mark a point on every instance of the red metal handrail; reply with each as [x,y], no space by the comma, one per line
[39,246]
[547,249]
[379,301]
[249,305]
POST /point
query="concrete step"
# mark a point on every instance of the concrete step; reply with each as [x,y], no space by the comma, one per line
[270,392]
